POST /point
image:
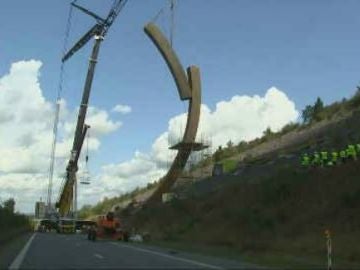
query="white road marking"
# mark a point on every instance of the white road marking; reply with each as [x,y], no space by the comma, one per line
[20,257]
[98,256]
[170,256]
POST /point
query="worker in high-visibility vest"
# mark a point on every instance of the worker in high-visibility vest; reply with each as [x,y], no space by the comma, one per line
[351,152]
[316,159]
[334,157]
[305,160]
[343,156]
[324,158]
[358,148]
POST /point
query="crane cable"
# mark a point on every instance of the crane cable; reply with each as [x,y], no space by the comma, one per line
[87,146]
[172,5]
[65,48]
[172,21]
[57,110]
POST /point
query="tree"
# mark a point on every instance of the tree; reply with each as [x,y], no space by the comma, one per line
[218,154]
[242,146]
[307,114]
[229,144]
[9,205]
[313,113]
[267,132]
[318,108]
[289,127]
[86,211]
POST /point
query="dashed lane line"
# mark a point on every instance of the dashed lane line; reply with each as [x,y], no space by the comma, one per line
[20,257]
[209,266]
[98,256]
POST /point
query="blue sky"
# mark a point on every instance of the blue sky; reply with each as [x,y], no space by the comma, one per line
[243,47]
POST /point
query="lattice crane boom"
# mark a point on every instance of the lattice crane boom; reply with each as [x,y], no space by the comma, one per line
[98,31]
[100,28]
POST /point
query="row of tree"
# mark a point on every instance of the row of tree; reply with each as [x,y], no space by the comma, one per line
[9,219]
[311,114]
[318,112]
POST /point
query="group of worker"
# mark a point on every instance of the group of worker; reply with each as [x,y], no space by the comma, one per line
[325,158]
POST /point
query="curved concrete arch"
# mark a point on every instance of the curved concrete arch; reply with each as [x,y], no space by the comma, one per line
[171,59]
[193,116]
[189,87]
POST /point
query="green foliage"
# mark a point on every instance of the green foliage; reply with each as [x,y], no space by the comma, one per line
[219,154]
[267,135]
[267,132]
[318,108]
[313,113]
[310,115]
[85,211]
[229,144]
[354,102]
[9,205]
[289,127]
[318,112]
[10,219]
[307,114]
[106,204]
[229,165]
[242,146]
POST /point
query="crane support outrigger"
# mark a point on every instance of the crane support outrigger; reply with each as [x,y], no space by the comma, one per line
[98,31]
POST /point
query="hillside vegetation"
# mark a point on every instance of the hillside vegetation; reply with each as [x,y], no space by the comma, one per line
[266,206]
[285,214]
[315,117]
[11,223]
[271,209]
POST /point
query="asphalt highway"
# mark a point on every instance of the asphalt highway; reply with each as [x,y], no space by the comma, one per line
[56,251]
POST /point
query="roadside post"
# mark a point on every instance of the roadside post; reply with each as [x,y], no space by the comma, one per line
[329,249]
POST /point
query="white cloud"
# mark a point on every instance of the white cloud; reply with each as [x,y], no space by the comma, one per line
[240,118]
[123,109]
[26,134]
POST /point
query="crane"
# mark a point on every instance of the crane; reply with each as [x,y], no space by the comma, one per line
[98,32]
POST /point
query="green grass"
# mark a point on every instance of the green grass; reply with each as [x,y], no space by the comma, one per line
[284,215]
[229,165]
[268,259]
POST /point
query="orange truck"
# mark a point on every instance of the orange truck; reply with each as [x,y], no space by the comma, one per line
[108,227]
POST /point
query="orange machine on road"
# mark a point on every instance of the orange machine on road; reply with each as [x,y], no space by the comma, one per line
[108,227]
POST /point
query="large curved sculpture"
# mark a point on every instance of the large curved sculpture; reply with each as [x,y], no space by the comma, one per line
[189,88]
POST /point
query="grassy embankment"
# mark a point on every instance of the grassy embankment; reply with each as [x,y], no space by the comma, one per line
[12,225]
[279,221]
[226,155]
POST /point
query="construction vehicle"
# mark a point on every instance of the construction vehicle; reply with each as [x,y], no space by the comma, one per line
[66,225]
[108,227]
[67,201]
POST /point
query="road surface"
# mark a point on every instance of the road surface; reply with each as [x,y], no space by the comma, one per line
[56,251]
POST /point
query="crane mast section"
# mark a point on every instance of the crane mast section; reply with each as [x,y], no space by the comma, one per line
[98,31]
[66,196]
[100,28]
[86,94]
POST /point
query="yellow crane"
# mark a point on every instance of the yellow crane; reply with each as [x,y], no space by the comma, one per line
[98,32]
